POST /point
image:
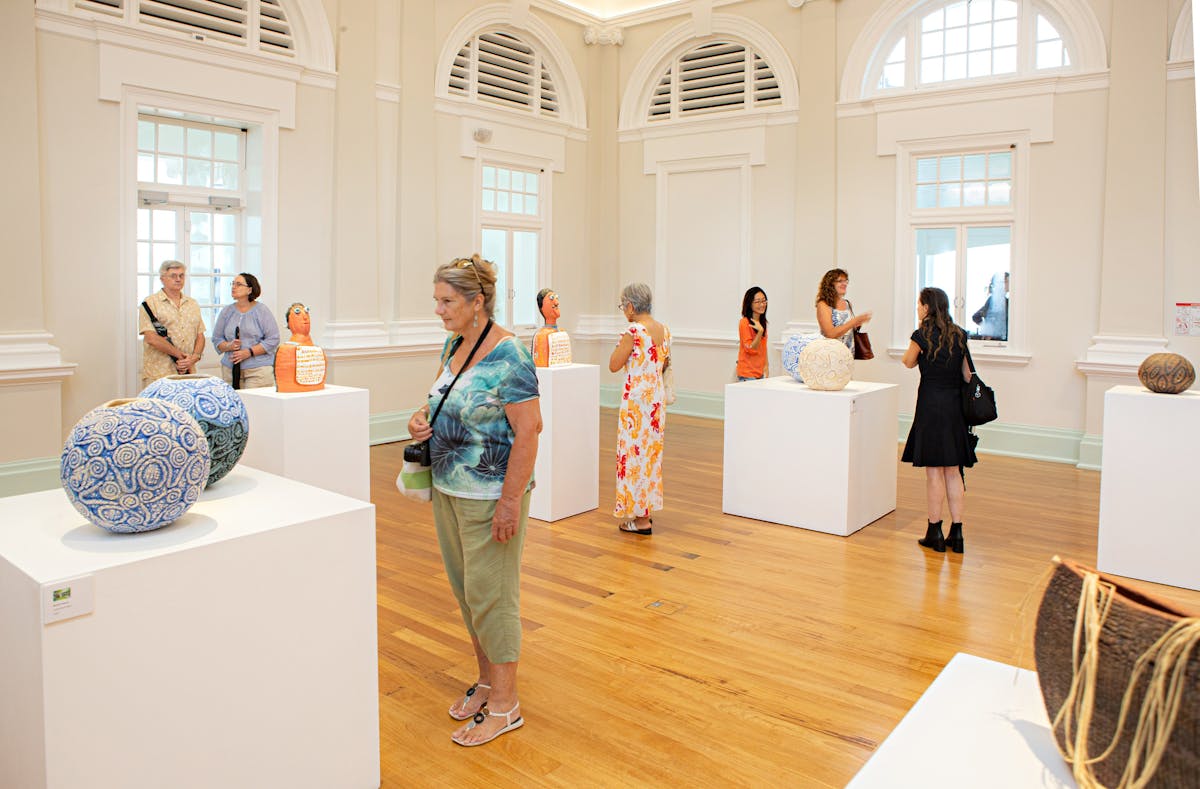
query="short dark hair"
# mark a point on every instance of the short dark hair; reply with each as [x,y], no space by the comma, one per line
[252,282]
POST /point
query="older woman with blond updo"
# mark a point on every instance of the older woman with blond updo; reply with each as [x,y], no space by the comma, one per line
[483,443]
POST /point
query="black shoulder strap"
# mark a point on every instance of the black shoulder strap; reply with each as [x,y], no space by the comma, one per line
[146,307]
[461,370]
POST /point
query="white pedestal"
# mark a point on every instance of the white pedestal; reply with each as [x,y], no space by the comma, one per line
[1148,487]
[234,647]
[319,438]
[568,460]
[824,461]
[980,724]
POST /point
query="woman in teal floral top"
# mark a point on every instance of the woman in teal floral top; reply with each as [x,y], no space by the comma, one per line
[483,445]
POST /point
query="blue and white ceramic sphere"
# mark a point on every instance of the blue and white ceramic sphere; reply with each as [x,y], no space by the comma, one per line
[791,353]
[218,409]
[134,465]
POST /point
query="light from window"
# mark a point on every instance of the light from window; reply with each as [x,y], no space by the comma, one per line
[893,67]
[971,263]
[508,191]
[966,40]
[1050,50]
[180,154]
[972,180]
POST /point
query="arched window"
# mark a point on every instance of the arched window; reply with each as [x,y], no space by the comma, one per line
[499,68]
[717,76]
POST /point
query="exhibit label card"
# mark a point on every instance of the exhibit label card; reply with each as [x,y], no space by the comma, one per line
[68,598]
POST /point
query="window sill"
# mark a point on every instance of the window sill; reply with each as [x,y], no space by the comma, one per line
[991,355]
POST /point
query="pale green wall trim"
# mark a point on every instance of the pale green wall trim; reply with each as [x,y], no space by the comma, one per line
[390,426]
[1052,444]
[1089,452]
[702,404]
[28,476]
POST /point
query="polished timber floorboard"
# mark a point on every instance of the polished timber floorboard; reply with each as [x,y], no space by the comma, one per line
[720,651]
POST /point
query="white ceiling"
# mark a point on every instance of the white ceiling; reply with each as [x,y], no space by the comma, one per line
[607,9]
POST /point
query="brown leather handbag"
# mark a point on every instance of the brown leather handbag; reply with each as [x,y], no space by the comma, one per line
[862,345]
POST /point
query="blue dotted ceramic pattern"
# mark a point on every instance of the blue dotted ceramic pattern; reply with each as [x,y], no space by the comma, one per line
[217,407]
[791,353]
[134,465]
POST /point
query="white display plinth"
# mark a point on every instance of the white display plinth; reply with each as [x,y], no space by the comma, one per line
[980,724]
[824,461]
[567,470]
[320,438]
[1148,487]
[234,647]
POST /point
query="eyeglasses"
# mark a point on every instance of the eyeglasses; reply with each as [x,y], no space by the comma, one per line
[759,301]
[463,263]
[621,305]
[236,284]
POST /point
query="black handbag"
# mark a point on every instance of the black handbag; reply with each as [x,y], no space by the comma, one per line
[978,399]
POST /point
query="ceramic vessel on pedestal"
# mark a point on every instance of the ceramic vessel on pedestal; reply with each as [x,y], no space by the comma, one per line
[217,407]
[134,465]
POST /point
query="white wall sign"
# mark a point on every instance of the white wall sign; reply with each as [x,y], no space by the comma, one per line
[1187,319]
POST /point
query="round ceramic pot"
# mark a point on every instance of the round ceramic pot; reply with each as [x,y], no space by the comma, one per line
[1166,373]
[825,364]
[217,407]
[134,465]
[791,353]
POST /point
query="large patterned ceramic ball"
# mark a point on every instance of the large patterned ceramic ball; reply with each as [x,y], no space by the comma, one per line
[826,365]
[791,353]
[218,409]
[1168,373]
[134,465]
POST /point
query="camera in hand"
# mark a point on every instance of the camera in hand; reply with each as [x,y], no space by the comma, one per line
[418,452]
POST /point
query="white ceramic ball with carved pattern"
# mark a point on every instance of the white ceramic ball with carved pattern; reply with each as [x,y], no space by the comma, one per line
[826,365]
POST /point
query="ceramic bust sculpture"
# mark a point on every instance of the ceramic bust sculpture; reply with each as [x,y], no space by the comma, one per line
[551,347]
[299,364]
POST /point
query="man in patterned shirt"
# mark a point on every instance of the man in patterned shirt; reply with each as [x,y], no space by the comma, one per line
[183,346]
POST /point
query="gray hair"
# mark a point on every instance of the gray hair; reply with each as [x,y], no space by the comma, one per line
[638,296]
[470,276]
[170,265]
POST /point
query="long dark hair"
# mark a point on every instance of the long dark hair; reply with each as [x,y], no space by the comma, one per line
[748,306]
[938,321]
[827,290]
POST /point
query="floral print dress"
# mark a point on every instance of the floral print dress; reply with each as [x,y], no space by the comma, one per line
[640,427]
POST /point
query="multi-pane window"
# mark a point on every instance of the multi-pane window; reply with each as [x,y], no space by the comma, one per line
[191,192]
[962,230]
[513,215]
[971,39]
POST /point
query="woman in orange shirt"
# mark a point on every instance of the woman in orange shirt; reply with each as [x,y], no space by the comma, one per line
[752,337]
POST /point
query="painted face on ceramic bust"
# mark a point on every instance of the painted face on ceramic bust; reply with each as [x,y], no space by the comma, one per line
[455,310]
[550,309]
[298,319]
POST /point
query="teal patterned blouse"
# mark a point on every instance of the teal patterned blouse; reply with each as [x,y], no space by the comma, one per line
[471,436]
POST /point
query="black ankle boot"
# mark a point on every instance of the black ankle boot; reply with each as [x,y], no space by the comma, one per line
[933,538]
[955,541]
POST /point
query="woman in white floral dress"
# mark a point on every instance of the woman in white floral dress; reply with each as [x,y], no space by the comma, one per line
[644,350]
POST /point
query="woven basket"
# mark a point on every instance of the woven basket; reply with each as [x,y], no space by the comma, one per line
[1134,623]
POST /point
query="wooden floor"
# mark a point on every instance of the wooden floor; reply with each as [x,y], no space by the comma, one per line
[720,651]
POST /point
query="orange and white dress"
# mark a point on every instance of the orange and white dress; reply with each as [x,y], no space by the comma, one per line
[640,427]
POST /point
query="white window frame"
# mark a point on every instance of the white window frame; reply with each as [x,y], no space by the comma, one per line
[261,197]
[908,219]
[540,224]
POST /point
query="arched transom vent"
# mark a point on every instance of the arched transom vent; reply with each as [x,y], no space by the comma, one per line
[499,68]
[232,21]
[716,77]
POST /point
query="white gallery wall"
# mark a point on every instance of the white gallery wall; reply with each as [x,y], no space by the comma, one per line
[369,177]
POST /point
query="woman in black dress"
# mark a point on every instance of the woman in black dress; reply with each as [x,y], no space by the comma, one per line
[938,439]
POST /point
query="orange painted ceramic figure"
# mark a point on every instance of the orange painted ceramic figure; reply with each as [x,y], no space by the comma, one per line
[299,364]
[549,349]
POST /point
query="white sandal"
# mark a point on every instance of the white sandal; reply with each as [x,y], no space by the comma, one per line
[509,724]
[467,700]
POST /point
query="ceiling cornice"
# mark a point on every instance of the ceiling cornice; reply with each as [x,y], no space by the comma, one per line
[667,10]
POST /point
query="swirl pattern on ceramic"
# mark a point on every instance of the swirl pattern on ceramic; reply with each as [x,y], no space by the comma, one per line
[791,353]
[826,365]
[218,409]
[134,465]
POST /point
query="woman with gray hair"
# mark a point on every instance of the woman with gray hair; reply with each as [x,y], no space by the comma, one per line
[483,440]
[644,351]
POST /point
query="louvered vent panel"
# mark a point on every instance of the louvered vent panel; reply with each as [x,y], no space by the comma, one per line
[712,78]
[505,70]
[225,19]
[114,7]
[660,102]
[274,32]
[549,94]
[766,87]
[460,72]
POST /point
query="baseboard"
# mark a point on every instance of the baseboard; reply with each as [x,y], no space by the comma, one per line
[389,427]
[29,476]
[702,404]
[1090,452]
[1052,444]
